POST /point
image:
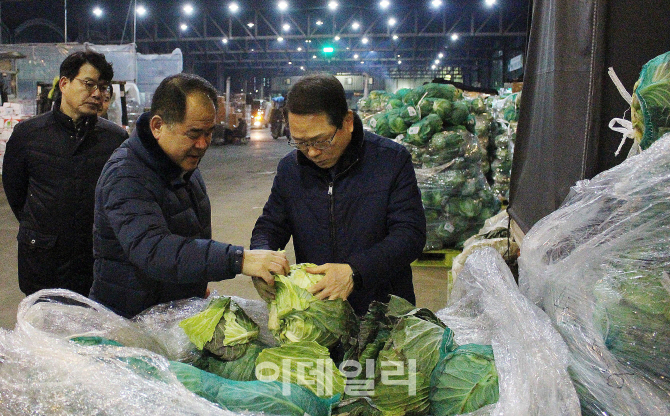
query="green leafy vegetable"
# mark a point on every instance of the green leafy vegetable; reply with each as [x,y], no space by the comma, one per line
[464,380]
[305,363]
[223,328]
[296,315]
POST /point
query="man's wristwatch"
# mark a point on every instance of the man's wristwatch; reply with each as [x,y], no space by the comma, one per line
[357,278]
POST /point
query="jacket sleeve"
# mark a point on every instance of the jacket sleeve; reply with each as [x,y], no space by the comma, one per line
[272,230]
[134,213]
[406,236]
[15,172]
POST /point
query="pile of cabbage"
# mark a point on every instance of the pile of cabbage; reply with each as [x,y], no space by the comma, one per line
[505,112]
[397,360]
[650,106]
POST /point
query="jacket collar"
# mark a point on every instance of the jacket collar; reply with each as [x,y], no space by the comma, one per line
[81,127]
[352,153]
[147,148]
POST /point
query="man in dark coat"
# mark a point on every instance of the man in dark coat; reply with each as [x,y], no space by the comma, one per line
[152,234]
[51,165]
[348,198]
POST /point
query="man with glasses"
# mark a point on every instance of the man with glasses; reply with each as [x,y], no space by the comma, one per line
[348,198]
[51,166]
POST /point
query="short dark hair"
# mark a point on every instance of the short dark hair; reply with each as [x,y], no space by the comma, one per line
[319,93]
[70,67]
[169,101]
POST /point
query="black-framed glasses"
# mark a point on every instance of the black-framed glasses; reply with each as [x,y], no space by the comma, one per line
[317,144]
[91,86]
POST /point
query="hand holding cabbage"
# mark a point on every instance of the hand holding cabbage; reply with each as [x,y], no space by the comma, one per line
[337,282]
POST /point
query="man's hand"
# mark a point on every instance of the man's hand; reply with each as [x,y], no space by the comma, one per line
[262,263]
[336,284]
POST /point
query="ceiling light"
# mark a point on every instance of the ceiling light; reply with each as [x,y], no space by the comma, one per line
[337,38]
[141,11]
[399,61]
[490,3]
[355,56]
[436,3]
[433,67]
[392,21]
[395,37]
[364,41]
[384,4]
[332,5]
[299,49]
[454,36]
[250,25]
[183,27]
[440,55]
[224,40]
[319,22]
[282,5]
[233,7]
[280,39]
[355,25]
[286,27]
[188,9]
[97,12]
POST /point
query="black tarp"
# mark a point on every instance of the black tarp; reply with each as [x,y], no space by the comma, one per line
[568,99]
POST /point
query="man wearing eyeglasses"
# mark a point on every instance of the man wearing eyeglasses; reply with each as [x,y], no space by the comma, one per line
[348,198]
[51,166]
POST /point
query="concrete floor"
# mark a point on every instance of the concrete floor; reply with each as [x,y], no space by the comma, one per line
[238,179]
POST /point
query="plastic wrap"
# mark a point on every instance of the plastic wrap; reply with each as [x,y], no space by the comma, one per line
[487,308]
[599,267]
[43,373]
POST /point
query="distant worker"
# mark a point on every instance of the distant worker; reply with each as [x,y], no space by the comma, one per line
[106,101]
[153,233]
[51,165]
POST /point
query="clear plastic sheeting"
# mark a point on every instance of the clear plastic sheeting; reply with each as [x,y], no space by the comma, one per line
[487,308]
[599,267]
[122,57]
[43,373]
[152,68]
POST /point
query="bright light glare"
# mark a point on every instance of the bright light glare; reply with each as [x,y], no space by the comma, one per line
[355,25]
[454,36]
[433,67]
[337,38]
[97,12]
[490,2]
[183,27]
[282,5]
[286,27]
[224,40]
[234,7]
[440,55]
[299,49]
[188,9]
[392,21]
[364,41]
[332,5]
[280,39]
[384,4]
[319,22]
[437,62]
[141,11]
[399,61]
[436,3]
[250,25]
[355,56]
[302,68]
[395,37]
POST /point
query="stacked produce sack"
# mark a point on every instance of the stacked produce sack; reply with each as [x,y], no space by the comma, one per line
[599,267]
[505,111]
[437,126]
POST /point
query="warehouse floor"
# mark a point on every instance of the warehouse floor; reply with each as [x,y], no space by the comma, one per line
[238,179]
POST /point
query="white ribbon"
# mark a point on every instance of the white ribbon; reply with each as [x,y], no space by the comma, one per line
[619,85]
[626,129]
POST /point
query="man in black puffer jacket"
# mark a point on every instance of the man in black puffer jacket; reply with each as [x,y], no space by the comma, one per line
[152,235]
[51,165]
[348,198]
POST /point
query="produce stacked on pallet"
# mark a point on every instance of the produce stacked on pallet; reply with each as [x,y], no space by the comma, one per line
[505,111]
[437,125]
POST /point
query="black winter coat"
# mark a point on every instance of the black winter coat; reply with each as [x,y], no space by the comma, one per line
[50,170]
[366,211]
[152,235]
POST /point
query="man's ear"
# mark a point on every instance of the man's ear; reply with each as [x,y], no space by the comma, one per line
[62,82]
[157,125]
[348,123]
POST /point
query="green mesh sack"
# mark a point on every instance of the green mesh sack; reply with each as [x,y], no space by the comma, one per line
[650,108]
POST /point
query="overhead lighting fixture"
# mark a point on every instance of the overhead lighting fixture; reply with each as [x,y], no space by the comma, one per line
[362,62]
[308,41]
[355,25]
[233,7]
[280,39]
[290,63]
[328,49]
[454,37]
[141,11]
[395,37]
[440,55]
[183,27]
[286,27]
[299,49]
[282,5]
[302,68]
[97,12]
[224,40]
[392,21]
[433,67]
[364,41]
[437,62]
[319,22]
[332,5]
[490,3]
[436,3]
[355,56]
[313,56]
[399,61]
[337,38]
[384,4]
[250,25]
[188,9]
